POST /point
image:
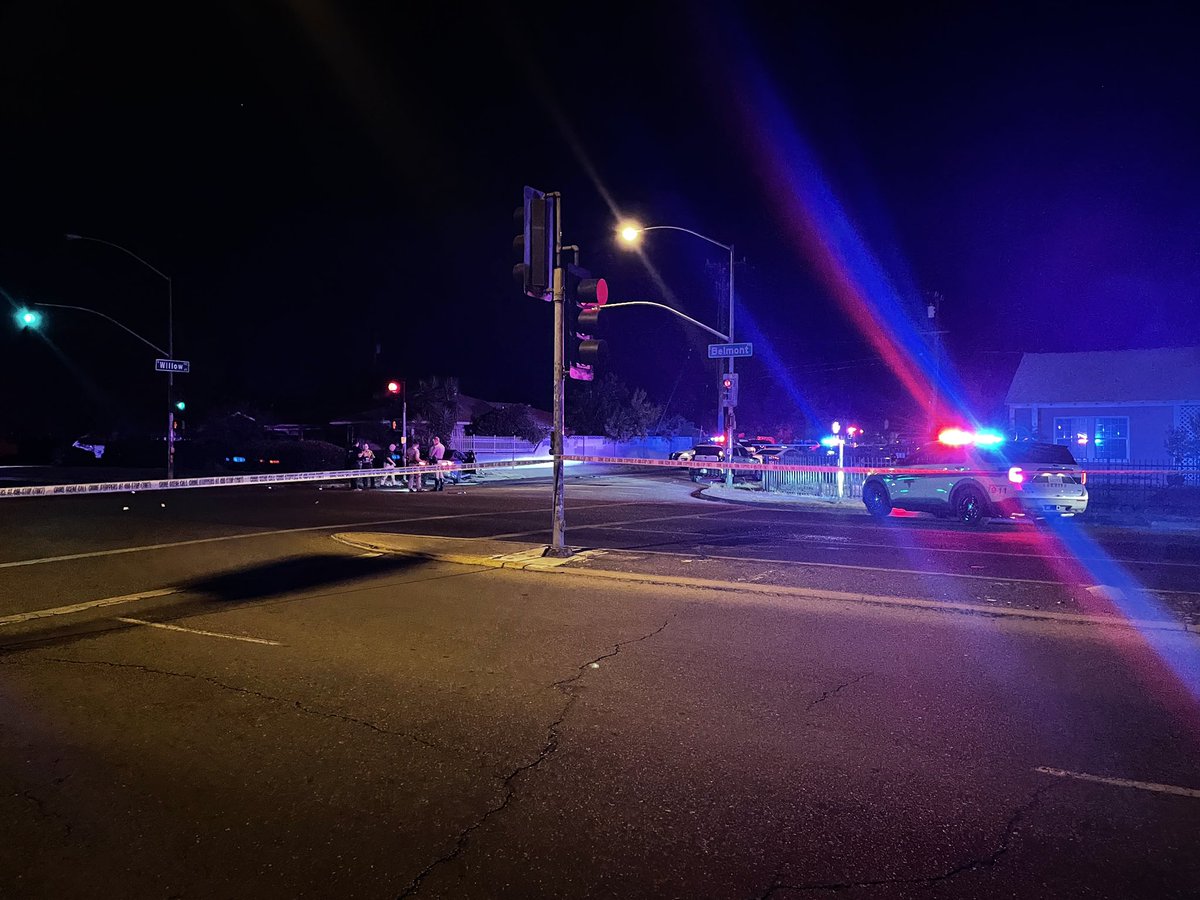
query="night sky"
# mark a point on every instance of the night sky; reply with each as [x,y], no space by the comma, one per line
[330,187]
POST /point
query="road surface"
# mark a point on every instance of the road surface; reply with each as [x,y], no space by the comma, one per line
[236,693]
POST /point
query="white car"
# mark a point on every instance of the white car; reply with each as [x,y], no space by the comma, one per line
[973,481]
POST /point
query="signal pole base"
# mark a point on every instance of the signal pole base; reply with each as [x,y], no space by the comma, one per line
[558,552]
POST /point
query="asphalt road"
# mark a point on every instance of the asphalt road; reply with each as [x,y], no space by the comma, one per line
[207,695]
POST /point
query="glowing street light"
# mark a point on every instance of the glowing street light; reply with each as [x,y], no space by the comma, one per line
[630,232]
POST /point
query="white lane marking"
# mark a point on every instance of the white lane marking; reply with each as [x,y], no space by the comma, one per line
[79,607]
[216,634]
[998,579]
[254,534]
[1121,782]
[586,527]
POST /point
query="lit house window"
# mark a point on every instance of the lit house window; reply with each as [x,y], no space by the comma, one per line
[1111,439]
[1072,431]
[1099,437]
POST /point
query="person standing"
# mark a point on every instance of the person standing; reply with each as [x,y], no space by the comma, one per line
[366,460]
[389,466]
[437,450]
[413,458]
[353,462]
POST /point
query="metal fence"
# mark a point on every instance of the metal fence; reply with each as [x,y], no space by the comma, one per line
[820,476]
[1143,485]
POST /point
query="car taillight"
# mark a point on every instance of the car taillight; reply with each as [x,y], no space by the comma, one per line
[1083,477]
[1015,475]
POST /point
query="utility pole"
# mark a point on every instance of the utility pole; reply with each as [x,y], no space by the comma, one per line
[933,314]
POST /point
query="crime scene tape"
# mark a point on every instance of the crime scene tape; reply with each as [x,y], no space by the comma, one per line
[173,484]
[111,487]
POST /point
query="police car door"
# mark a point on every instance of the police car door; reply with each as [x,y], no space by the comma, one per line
[942,468]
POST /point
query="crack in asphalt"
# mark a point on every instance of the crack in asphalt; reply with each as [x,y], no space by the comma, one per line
[549,747]
[45,813]
[825,695]
[981,862]
[295,704]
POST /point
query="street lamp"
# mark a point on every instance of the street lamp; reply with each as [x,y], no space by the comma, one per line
[170,341]
[630,232]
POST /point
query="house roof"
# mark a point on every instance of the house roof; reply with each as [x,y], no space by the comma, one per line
[1167,375]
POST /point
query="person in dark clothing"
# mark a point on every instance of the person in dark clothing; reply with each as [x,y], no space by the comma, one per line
[366,460]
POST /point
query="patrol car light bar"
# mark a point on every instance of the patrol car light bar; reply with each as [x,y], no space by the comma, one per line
[958,437]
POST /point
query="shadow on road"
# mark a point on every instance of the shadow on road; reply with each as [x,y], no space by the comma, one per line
[297,573]
[247,585]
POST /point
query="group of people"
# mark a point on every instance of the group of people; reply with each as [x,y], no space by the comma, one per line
[365,458]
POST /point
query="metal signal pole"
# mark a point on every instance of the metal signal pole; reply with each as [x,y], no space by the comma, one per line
[558,541]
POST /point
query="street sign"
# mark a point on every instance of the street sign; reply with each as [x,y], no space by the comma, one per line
[172,365]
[724,351]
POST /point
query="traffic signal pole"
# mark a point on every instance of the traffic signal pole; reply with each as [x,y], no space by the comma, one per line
[170,382]
[729,416]
[558,542]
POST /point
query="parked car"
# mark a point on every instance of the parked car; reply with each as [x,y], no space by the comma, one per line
[770,454]
[972,483]
[716,453]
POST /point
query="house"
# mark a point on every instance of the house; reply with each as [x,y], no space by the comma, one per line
[1112,406]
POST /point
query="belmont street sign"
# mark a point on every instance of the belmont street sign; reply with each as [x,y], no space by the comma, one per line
[724,351]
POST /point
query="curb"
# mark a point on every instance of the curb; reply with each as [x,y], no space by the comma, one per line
[533,561]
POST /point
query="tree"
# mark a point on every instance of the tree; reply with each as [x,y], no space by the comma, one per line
[675,425]
[434,401]
[516,420]
[1183,442]
[607,407]
[633,419]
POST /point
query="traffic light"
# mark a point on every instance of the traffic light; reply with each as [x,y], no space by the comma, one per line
[29,318]
[180,405]
[395,387]
[729,389]
[535,245]
[584,297]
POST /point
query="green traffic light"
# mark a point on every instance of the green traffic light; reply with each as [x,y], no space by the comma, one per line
[28,318]
[180,405]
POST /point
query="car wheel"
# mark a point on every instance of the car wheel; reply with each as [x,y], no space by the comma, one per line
[970,506]
[876,500]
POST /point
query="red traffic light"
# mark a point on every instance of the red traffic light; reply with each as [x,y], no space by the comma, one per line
[395,387]
[592,291]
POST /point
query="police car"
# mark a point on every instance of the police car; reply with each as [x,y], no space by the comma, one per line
[973,477]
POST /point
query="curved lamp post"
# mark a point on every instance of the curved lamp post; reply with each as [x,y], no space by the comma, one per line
[630,234]
[170,340]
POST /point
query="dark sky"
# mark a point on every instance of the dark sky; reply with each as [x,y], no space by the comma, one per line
[321,179]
